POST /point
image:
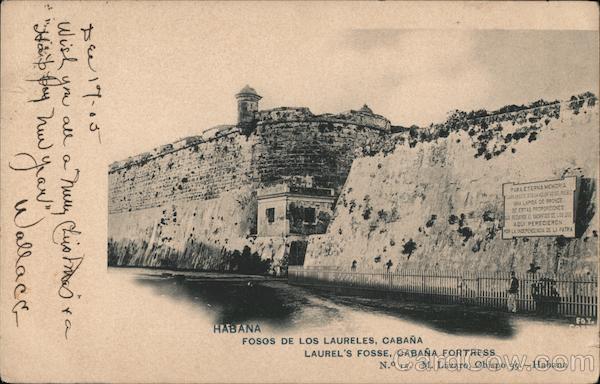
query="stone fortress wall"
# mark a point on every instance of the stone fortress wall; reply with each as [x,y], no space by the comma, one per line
[193,204]
[151,194]
[288,144]
[197,168]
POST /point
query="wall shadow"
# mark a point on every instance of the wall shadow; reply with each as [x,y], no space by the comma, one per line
[239,299]
[454,319]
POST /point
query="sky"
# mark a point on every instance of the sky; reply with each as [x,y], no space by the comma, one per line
[174,70]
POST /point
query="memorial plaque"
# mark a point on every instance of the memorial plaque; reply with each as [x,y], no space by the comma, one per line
[541,208]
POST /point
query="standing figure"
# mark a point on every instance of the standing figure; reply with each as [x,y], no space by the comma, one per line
[389,265]
[512,293]
[353,267]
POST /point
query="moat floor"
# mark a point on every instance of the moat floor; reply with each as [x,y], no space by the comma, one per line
[244,299]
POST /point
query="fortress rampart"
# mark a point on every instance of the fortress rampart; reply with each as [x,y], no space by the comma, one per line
[197,203]
[191,169]
[193,203]
[285,145]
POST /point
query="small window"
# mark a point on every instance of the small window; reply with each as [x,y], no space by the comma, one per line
[309,215]
[270,212]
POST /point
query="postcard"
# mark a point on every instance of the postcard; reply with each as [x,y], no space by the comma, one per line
[299,192]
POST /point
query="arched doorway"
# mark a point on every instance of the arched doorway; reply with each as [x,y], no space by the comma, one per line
[297,252]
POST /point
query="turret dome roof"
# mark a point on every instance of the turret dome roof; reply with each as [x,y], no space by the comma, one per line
[365,108]
[248,90]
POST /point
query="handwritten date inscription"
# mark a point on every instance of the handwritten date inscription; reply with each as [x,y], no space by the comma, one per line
[64,89]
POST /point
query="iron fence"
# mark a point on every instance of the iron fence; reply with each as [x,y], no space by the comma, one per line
[548,294]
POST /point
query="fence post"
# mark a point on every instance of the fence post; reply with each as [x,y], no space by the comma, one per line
[478,301]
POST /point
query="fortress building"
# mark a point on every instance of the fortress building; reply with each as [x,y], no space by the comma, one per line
[286,164]
[284,186]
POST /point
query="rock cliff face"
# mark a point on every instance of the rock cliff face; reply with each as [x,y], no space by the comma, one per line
[435,202]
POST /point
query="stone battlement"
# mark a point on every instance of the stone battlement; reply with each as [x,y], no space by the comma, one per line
[207,136]
[360,118]
[364,117]
[281,145]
